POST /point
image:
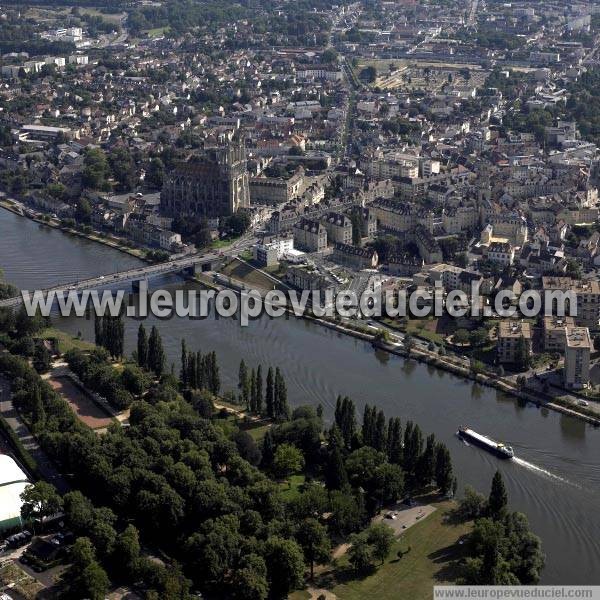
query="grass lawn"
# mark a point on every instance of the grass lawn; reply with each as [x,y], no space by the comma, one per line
[65,341]
[425,329]
[433,548]
[157,32]
[110,17]
[291,487]
[216,244]
[257,431]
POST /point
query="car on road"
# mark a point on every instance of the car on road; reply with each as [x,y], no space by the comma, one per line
[583,403]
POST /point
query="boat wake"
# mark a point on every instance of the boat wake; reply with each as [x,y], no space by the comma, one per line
[462,439]
[540,470]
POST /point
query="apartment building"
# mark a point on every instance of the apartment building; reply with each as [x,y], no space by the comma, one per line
[514,337]
[310,235]
[555,332]
[339,228]
[577,357]
[587,293]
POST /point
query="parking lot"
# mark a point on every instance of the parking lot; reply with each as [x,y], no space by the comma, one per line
[404,516]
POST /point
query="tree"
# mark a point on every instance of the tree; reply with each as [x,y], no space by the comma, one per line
[280,406]
[202,401]
[443,469]
[395,443]
[253,390]
[368,74]
[313,539]
[381,538]
[155,173]
[478,337]
[285,565]
[472,505]
[83,210]
[244,384]
[41,358]
[247,447]
[461,336]
[95,169]
[156,354]
[40,500]
[362,465]
[26,325]
[92,583]
[387,484]
[270,394]
[345,419]
[336,477]
[214,379]
[249,581]
[82,553]
[259,390]
[287,460]
[498,498]
[126,550]
[79,510]
[134,380]
[380,433]
[123,168]
[426,462]
[360,553]
[142,347]
[183,373]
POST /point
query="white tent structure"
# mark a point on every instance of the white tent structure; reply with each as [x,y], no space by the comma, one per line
[12,483]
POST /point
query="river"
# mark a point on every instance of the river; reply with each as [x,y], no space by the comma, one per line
[555,480]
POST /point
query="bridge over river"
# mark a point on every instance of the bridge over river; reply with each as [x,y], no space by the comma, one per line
[187,265]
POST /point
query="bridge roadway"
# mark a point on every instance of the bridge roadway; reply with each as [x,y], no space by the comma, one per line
[134,275]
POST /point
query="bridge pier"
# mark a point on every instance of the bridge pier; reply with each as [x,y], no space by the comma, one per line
[189,271]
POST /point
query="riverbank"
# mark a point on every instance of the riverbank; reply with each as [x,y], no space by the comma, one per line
[419,353]
[445,363]
[54,224]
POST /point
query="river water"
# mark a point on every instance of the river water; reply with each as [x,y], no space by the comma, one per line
[555,480]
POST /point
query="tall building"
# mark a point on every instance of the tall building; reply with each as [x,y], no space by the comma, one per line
[214,184]
[578,348]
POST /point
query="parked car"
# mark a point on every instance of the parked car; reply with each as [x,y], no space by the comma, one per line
[19,539]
